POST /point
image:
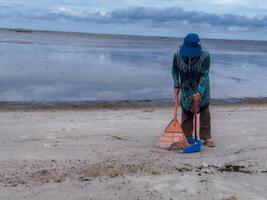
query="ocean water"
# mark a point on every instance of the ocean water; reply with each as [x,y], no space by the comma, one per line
[66,67]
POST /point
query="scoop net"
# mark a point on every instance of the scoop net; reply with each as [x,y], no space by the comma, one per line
[173,137]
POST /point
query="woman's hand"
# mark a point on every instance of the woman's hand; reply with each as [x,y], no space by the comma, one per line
[197,96]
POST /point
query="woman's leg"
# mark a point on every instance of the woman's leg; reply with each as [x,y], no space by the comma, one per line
[187,123]
[205,128]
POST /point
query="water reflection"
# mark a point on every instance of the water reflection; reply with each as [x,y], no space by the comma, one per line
[118,69]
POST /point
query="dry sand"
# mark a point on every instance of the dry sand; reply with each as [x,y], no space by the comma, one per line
[109,154]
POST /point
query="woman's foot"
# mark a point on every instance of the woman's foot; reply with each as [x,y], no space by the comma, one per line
[209,143]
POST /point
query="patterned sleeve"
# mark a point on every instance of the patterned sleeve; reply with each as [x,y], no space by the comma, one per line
[204,79]
[175,72]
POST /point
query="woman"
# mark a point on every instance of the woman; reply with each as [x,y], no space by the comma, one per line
[190,73]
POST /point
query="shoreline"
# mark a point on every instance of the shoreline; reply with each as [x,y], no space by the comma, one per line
[146,103]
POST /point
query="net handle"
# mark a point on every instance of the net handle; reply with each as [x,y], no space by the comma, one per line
[176,105]
[195,119]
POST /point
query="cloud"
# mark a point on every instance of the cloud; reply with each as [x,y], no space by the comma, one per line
[231,2]
[192,17]
[163,16]
[139,20]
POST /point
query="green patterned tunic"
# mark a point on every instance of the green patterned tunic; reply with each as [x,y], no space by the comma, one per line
[191,76]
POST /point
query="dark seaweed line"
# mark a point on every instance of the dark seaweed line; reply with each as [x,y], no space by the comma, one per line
[121,104]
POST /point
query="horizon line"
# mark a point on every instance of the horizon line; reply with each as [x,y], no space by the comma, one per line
[26,30]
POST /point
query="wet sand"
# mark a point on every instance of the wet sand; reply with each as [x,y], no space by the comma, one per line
[109,153]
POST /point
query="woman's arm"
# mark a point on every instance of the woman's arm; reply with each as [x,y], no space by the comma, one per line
[176,81]
[175,72]
[204,79]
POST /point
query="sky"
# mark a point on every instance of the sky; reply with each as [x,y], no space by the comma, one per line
[229,19]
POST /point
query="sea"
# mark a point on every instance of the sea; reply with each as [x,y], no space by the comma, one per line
[42,66]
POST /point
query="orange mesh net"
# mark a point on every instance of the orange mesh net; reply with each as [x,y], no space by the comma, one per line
[173,137]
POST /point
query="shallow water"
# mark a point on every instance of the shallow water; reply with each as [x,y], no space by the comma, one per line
[43,66]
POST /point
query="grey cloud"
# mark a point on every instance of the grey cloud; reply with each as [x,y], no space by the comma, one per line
[149,14]
[193,17]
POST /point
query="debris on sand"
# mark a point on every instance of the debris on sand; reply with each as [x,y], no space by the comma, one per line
[232,198]
[54,171]
[234,168]
[118,137]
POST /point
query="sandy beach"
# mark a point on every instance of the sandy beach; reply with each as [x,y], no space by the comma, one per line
[109,153]
[88,87]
